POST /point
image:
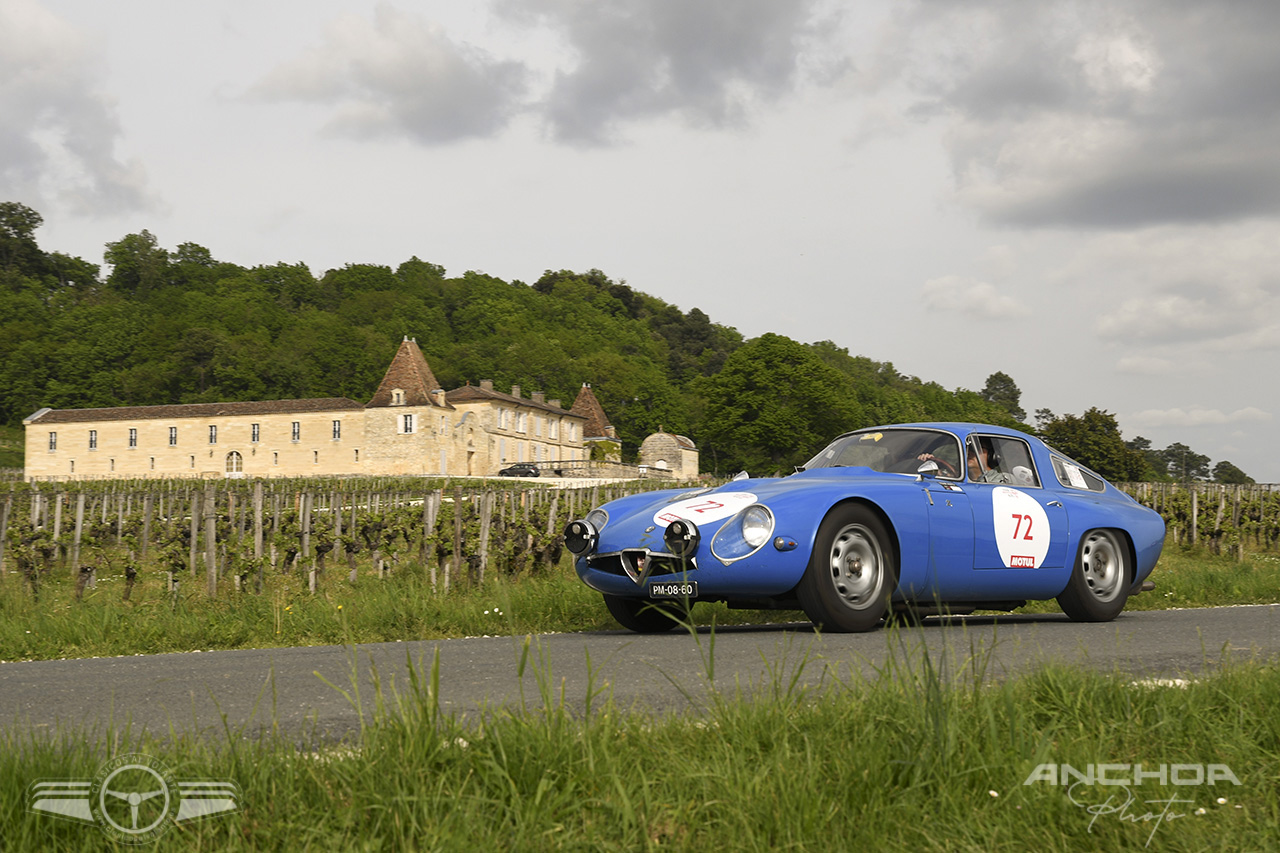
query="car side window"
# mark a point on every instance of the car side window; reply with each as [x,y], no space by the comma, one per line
[1072,476]
[999,459]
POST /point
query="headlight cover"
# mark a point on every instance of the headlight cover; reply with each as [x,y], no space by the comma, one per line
[743,535]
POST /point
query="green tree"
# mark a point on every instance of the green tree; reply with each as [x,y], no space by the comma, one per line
[1184,464]
[1093,439]
[18,249]
[1225,472]
[1003,392]
[773,405]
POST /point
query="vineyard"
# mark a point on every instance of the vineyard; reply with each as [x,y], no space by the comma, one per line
[233,535]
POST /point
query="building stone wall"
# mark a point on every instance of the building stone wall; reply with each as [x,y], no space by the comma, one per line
[409,428]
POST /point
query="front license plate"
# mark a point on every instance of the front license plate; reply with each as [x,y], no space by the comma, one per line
[674,589]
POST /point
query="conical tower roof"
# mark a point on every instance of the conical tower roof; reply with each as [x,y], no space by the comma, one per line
[409,373]
[597,425]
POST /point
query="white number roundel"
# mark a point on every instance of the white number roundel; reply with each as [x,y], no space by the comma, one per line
[1021,528]
[704,508]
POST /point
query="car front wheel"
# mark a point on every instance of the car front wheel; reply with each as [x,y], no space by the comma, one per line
[644,616]
[1099,585]
[852,572]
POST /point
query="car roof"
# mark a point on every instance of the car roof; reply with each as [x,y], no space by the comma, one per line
[959,428]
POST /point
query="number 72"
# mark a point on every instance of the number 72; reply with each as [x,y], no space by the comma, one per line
[1018,527]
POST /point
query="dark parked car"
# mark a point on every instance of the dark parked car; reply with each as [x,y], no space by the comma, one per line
[520,469]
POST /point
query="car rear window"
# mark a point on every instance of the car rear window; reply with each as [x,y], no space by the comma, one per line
[1073,476]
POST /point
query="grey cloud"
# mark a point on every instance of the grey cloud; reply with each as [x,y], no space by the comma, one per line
[58,133]
[1093,114]
[705,62]
[398,75]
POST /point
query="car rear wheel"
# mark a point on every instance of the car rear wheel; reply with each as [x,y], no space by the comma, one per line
[1099,585]
[852,572]
[644,616]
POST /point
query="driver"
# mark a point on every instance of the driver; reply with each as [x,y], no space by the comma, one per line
[983,465]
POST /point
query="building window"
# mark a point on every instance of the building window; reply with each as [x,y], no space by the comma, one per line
[133,437]
[153,463]
[296,431]
[315,457]
[406,424]
[235,463]
[553,428]
[522,422]
[213,434]
[93,439]
[275,458]
[357,455]
[173,436]
[112,466]
[255,431]
[337,430]
[537,425]
[53,441]
[193,462]
[73,466]
[397,397]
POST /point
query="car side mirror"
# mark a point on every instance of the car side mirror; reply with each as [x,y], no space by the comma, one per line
[928,468]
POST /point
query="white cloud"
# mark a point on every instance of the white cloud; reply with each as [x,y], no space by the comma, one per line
[1196,416]
[59,131]
[980,300]
[401,75]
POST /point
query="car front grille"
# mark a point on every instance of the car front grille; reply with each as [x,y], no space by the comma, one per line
[640,564]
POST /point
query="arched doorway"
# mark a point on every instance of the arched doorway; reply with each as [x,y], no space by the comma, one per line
[235,464]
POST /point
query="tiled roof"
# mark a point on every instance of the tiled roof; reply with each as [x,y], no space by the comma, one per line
[194,410]
[474,393]
[409,373]
[589,407]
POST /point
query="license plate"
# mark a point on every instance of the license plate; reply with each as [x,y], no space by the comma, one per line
[674,589]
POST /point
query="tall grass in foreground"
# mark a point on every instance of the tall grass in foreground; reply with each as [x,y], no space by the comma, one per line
[912,758]
[405,606]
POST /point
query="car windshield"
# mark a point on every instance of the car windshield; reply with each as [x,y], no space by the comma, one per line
[895,451]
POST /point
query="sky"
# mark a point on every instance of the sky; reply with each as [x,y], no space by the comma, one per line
[1083,195]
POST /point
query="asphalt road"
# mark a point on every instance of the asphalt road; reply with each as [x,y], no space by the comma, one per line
[299,690]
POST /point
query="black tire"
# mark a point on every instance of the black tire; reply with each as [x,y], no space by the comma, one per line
[644,616]
[1100,580]
[852,571]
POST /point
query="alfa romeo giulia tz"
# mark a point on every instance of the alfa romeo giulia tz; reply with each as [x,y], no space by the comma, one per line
[906,520]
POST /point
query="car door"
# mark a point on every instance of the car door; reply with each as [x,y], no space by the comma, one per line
[1017,523]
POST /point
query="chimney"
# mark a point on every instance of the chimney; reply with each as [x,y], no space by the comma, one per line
[539,397]
[515,390]
[555,404]
[486,384]
[438,396]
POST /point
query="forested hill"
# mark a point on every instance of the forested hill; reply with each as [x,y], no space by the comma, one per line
[181,326]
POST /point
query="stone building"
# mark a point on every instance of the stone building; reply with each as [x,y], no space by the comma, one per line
[665,451]
[410,427]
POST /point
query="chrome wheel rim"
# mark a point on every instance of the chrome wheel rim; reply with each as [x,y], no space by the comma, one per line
[1102,561]
[856,567]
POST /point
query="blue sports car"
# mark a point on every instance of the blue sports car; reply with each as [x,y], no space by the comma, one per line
[905,520]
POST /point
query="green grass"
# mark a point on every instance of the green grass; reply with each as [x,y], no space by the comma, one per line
[910,758]
[403,606]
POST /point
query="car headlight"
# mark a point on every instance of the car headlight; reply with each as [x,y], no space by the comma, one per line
[580,537]
[682,538]
[743,535]
[597,518]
